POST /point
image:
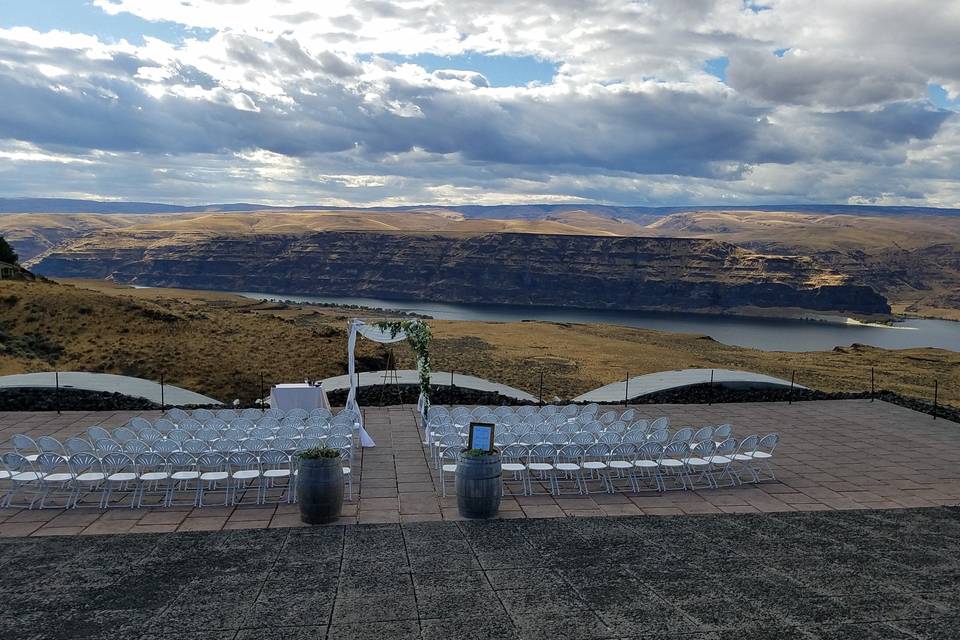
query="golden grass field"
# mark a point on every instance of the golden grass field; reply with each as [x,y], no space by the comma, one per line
[218,344]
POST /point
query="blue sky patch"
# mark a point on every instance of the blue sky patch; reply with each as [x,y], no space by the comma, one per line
[500,71]
[83,17]
[756,7]
[938,97]
[717,67]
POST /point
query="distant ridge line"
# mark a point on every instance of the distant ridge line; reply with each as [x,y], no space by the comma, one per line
[67,205]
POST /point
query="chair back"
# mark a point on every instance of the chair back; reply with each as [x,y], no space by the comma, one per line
[98,433]
[133,447]
[139,423]
[106,445]
[83,462]
[49,462]
[196,447]
[116,462]
[165,447]
[77,445]
[48,444]
[768,443]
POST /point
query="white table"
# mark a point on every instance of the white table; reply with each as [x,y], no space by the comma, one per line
[299,395]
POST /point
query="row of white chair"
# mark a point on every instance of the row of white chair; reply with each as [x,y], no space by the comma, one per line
[707,462]
[192,424]
[102,440]
[131,477]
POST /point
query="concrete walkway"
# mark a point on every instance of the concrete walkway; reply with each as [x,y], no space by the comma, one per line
[884,575]
[128,386]
[639,386]
[440,378]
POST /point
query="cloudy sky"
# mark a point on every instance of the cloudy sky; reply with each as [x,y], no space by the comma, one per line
[384,102]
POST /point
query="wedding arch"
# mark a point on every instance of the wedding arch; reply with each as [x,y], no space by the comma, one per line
[417,334]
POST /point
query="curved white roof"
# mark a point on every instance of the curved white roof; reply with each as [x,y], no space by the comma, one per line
[128,386]
[664,380]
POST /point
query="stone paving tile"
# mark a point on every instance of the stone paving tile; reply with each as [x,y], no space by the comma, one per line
[834,455]
[888,574]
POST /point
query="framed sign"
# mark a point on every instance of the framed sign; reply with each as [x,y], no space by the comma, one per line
[481,436]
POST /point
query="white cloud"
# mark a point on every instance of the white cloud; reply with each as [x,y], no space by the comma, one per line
[292,102]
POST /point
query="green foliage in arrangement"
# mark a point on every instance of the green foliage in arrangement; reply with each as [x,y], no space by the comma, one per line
[319,452]
[476,453]
[418,337]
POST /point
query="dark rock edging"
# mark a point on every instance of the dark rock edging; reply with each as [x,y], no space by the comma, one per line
[716,394]
[26,399]
[384,396]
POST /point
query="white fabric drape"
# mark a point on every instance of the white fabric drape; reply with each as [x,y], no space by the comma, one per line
[370,332]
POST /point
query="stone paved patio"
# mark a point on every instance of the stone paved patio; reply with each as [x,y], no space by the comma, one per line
[835,455]
[882,574]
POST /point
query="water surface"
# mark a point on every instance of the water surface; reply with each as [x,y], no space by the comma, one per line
[768,334]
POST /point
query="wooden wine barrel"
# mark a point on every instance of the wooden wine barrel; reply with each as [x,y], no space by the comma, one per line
[320,489]
[479,486]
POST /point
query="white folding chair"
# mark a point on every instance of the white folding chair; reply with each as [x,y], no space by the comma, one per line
[760,460]
[513,465]
[25,446]
[276,469]
[56,477]
[673,465]
[448,464]
[566,464]
[721,463]
[647,465]
[120,473]
[88,476]
[214,476]
[245,471]
[152,476]
[540,467]
[698,463]
[621,465]
[744,455]
[596,465]
[184,477]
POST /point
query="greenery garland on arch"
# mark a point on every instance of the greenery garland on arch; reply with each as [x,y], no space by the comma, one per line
[418,337]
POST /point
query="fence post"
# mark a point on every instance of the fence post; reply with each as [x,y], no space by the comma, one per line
[626,389]
[261,391]
[57,376]
[872,385]
[541,387]
[451,378]
[936,392]
[163,402]
[710,394]
[793,376]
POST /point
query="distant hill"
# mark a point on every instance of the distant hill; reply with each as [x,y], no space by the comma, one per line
[507,211]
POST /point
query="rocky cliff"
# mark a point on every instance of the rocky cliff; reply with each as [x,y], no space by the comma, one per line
[627,273]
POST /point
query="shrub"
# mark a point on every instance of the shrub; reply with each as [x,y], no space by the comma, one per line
[319,452]
[476,453]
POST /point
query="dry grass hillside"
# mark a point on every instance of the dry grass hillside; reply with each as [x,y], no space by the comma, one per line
[34,233]
[218,344]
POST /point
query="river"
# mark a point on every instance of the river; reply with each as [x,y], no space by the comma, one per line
[768,334]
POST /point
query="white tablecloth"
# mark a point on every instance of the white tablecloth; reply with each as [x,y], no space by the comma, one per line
[298,396]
